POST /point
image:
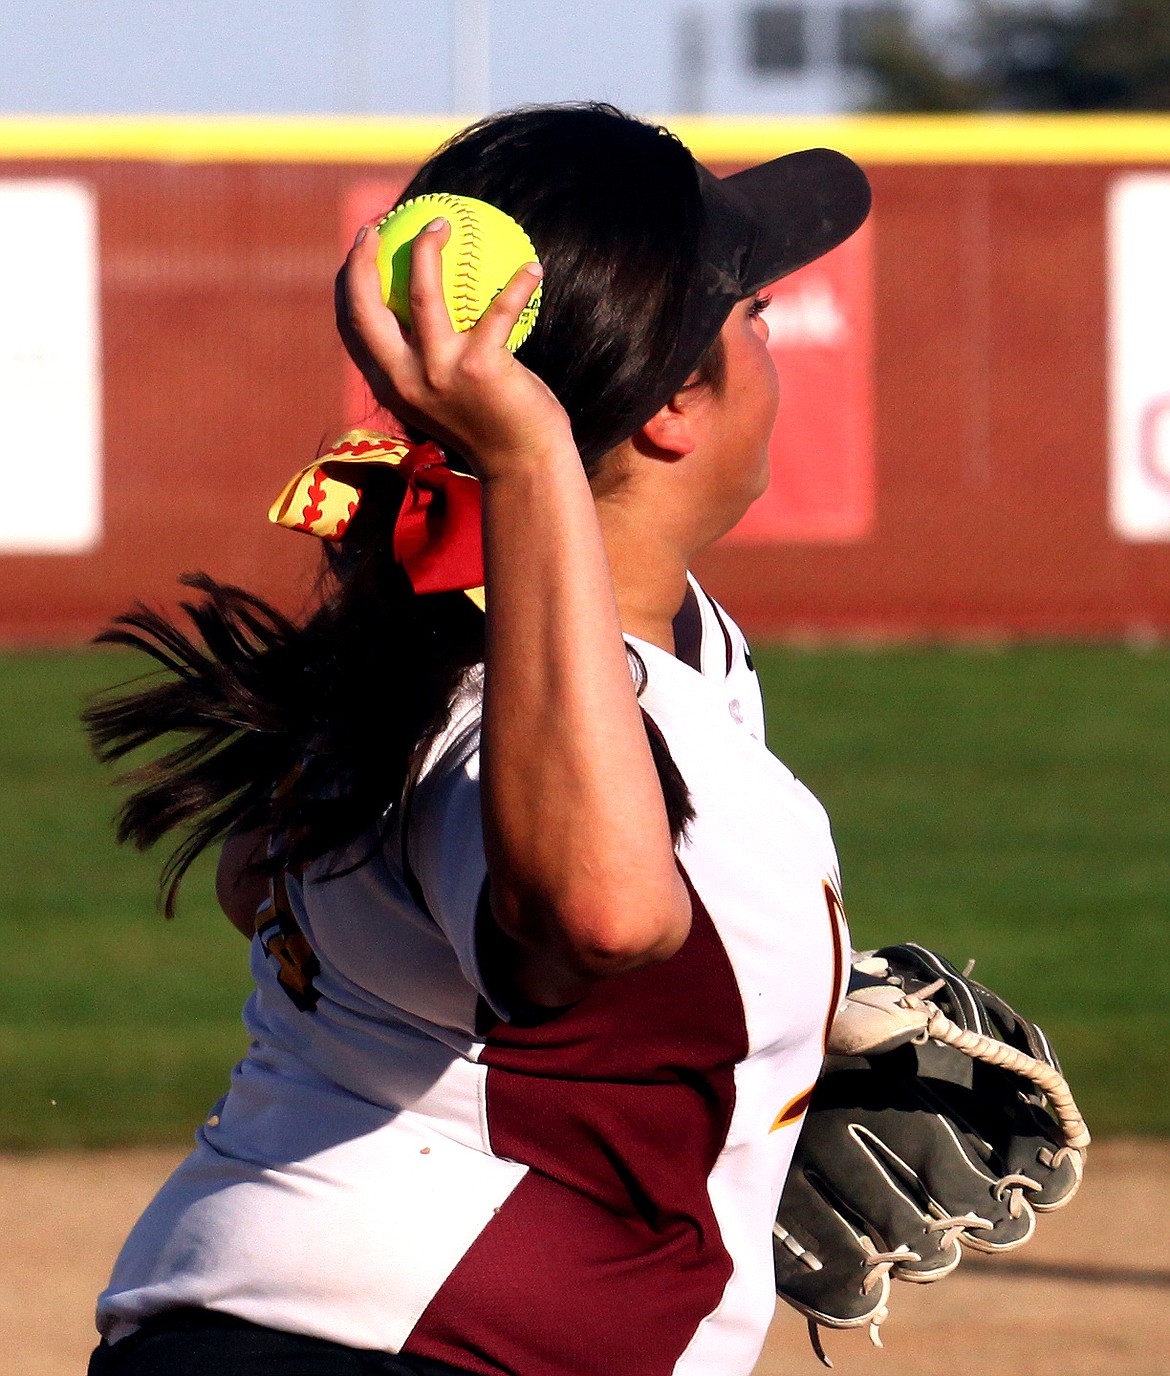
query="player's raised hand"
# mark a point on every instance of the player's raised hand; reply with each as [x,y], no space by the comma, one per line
[463,388]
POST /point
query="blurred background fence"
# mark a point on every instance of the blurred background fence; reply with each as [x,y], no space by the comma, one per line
[947,455]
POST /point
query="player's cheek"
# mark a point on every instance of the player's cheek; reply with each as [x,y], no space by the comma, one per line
[767,386]
[769,404]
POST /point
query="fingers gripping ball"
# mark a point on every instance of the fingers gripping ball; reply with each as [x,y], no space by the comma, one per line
[484,251]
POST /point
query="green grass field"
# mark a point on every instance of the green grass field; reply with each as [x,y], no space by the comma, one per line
[1012,806]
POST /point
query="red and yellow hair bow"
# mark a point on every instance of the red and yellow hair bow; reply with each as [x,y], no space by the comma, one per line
[437,535]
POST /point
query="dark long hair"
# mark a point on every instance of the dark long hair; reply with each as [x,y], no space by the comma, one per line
[305,731]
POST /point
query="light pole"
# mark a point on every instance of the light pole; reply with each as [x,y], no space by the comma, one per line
[353,56]
[470,57]
[692,56]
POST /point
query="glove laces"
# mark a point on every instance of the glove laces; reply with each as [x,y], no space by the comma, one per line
[1012,1187]
[954,1226]
[878,1266]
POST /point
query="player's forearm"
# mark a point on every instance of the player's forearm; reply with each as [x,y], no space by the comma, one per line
[579,849]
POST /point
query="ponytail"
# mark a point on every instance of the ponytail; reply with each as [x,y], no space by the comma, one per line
[302,732]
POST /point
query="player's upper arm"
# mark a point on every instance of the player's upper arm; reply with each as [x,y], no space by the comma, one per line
[443,855]
[446,867]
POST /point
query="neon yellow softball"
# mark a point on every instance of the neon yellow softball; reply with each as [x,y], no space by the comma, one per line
[484,250]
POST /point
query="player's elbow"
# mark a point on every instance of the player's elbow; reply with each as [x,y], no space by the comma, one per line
[600,933]
[601,953]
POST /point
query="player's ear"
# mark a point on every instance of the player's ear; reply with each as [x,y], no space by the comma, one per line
[671,429]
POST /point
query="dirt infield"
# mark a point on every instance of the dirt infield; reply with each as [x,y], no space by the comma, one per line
[1090,1294]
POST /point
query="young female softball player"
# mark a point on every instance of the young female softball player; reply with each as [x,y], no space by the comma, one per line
[546,941]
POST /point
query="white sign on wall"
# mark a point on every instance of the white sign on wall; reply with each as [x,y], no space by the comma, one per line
[1139,356]
[50,368]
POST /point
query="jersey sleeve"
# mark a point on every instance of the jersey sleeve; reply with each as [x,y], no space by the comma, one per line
[443,856]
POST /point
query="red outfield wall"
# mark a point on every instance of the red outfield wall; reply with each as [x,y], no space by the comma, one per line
[983,507]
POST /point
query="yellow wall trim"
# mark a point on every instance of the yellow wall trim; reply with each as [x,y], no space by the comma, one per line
[869,138]
[223,138]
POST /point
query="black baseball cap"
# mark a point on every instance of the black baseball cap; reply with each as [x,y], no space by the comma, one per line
[759,225]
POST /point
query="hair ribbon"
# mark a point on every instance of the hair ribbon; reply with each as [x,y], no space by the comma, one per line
[437,534]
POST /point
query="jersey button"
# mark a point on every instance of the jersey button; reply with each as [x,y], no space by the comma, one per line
[736,711]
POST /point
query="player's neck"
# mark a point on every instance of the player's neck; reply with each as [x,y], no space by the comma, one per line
[649,572]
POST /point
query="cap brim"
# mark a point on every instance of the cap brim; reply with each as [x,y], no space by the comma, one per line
[802,205]
[759,225]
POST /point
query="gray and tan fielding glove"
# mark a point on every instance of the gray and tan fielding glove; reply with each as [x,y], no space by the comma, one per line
[940,1120]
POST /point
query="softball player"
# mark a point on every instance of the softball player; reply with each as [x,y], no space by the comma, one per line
[552,940]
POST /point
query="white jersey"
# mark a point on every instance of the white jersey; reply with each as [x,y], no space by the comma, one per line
[405,1164]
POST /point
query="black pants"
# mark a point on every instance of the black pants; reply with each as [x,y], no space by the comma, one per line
[200,1342]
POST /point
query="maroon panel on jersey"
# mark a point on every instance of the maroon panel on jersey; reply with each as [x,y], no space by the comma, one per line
[608,1254]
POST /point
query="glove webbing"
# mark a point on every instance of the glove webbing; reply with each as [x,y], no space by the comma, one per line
[980,1048]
